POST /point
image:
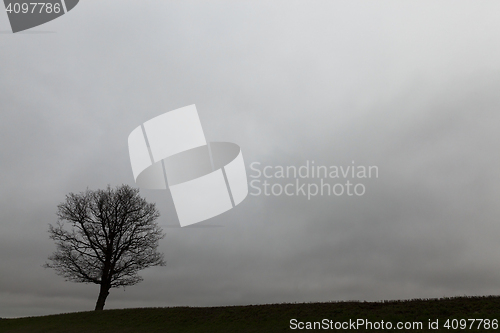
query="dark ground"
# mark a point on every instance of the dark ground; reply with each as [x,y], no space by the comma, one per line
[272,317]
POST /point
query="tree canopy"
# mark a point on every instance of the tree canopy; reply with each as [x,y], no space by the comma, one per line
[105,237]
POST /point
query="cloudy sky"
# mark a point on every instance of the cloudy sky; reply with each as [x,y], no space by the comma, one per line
[410,87]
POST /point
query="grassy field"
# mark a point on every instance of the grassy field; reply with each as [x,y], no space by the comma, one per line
[270,318]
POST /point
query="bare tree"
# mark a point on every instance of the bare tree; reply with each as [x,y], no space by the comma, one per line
[112,235]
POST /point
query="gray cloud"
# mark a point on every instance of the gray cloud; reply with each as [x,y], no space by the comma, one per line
[410,87]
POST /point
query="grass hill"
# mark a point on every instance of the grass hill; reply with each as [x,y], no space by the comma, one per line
[276,317]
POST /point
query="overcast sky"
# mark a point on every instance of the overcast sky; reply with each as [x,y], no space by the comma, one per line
[411,87]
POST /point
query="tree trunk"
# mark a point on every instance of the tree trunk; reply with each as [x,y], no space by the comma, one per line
[103,294]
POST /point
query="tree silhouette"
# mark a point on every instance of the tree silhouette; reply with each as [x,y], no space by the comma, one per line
[112,235]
